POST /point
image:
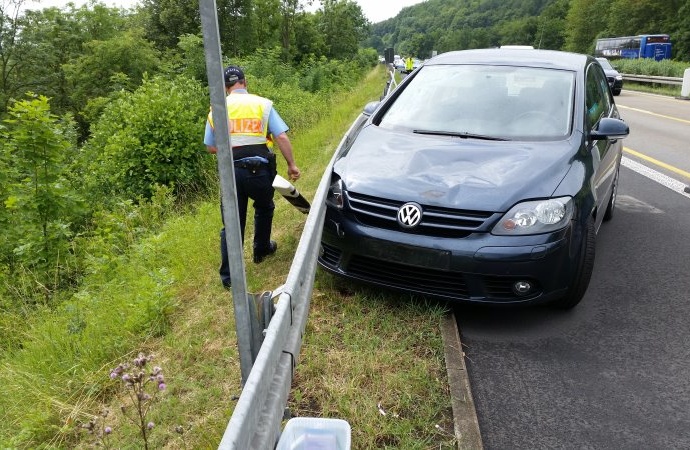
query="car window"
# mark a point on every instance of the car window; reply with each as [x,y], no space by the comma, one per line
[598,99]
[516,103]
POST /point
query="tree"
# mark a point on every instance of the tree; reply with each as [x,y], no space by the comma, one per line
[421,45]
[550,31]
[585,20]
[630,17]
[680,32]
[11,52]
[344,26]
[40,203]
[266,22]
[55,38]
[521,31]
[309,42]
[235,26]
[288,11]
[109,66]
[166,20]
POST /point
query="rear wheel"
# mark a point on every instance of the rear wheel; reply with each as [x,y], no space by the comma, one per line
[583,273]
[608,215]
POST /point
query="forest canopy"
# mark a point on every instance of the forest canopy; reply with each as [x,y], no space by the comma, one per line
[573,25]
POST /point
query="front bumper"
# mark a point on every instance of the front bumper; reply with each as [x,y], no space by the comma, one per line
[479,268]
[614,84]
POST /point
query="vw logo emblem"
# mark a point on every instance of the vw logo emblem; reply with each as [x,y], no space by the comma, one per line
[409,215]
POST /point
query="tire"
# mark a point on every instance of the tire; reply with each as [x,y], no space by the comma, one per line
[617,92]
[608,215]
[583,272]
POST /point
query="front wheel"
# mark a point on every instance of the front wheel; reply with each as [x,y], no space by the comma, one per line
[583,272]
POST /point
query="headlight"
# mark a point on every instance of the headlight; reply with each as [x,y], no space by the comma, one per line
[619,77]
[335,193]
[534,217]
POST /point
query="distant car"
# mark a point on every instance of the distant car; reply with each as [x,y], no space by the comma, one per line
[614,78]
[484,177]
[399,64]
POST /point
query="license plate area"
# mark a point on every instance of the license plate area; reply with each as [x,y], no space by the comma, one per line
[411,255]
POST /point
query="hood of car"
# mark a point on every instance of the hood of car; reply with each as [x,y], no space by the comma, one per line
[453,172]
[611,72]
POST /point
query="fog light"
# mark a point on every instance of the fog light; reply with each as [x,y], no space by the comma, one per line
[522,288]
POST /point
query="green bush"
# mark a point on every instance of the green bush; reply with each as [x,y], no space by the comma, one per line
[151,137]
[367,57]
[645,66]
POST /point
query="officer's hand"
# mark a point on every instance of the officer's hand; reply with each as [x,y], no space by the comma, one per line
[294,172]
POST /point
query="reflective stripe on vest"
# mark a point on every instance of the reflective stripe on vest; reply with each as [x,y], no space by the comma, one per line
[247,119]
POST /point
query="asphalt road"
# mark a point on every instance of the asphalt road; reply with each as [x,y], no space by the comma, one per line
[614,373]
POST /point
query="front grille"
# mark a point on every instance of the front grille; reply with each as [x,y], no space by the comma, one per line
[436,221]
[401,276]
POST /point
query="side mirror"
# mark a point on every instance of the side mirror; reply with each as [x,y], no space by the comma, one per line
[609,128]
[370,107]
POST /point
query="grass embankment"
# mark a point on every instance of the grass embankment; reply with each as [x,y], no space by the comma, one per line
[364,353]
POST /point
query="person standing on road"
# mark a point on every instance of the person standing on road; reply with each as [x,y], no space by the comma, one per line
[409,65]
[253,124]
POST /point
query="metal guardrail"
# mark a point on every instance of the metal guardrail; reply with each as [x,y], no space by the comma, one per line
[677,81]
[256,420]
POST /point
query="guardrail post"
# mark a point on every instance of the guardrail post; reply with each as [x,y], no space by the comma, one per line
[261,309]
[685,90]
[245,322]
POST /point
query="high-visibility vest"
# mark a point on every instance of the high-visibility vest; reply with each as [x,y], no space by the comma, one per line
[247,119]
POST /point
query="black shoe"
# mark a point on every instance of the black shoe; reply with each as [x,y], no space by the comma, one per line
[227,284]
[260,255]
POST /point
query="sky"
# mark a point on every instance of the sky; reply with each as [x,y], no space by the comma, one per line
[379,10]
[374,10]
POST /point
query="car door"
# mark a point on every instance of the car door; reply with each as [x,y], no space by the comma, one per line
[604,155]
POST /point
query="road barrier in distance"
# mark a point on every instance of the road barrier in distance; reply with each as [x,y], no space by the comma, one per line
[677,81]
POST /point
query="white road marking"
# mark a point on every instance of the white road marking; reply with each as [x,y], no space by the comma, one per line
[653,175]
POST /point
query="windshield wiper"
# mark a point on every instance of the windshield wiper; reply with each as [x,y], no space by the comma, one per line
[460,134]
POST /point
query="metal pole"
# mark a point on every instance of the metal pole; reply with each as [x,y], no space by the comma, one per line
[226,170]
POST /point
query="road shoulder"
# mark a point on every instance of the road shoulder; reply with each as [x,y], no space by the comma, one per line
[465,423]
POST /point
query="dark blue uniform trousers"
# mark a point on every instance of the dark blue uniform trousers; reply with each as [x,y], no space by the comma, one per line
[255,184]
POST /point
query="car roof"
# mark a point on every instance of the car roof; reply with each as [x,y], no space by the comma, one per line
[514,57]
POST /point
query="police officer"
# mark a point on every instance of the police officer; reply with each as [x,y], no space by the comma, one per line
[409,65]
[253,124]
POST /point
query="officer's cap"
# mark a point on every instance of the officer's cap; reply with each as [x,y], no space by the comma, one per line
[233,74]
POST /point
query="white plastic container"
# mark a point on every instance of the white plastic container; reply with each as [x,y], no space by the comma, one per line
[311,433]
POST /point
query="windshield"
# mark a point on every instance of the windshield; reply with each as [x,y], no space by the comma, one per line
[605,63]
[472,101]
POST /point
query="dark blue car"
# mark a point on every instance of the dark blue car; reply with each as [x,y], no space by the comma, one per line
[484,177]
